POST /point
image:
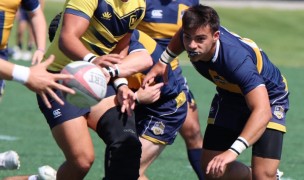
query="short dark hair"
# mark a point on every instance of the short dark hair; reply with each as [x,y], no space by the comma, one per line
[200,15]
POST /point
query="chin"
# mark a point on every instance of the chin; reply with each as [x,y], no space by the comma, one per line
[194,58]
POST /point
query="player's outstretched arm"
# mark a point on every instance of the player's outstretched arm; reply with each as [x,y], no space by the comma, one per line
[174,48]
[43,82]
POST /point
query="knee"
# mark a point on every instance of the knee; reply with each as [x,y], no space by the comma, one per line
[265,173]
[83,163]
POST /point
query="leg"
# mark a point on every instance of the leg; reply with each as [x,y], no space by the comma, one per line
[123,151]
[266,155]
[192,136]
[150,151]
[217,140]
[235,170]
[72,136]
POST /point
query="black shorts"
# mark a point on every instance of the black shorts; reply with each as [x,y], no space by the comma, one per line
[270,144]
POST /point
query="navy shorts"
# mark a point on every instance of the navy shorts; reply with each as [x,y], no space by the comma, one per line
[233,112]
[59,114]
[160,122]
[269,145]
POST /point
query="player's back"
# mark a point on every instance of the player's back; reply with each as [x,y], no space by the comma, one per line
[163,18]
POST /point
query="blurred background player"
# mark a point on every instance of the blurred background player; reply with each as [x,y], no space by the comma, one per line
[25,45]
[8,10]
[162,20]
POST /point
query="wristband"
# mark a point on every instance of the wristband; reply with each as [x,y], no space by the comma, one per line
[167,56]
[119,82]
[111,71]
[89,57]
[239,145]
[21,73]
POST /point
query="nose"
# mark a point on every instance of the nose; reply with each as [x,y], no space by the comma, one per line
[192,44]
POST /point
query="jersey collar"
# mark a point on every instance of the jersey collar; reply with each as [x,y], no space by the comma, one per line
[216,51]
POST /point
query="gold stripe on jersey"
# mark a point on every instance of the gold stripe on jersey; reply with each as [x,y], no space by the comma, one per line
[257,52]
[285,82]
[180,99]
[223,83]
[160,30]
[148,43]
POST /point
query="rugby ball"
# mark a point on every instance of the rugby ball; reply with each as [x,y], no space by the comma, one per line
[89,84]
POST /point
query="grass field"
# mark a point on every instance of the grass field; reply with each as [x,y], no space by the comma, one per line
[277,32]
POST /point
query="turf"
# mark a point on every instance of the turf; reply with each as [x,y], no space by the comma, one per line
[277,32]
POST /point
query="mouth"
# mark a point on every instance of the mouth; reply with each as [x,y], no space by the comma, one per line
[192,54]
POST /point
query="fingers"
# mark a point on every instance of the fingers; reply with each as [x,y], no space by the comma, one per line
[45,100]
[63,88]
[148,79]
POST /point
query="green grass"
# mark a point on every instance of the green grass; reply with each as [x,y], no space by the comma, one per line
[277,32]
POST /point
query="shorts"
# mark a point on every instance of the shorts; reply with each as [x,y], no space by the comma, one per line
[23,16]
[232,113]
[160,122]
[270,144]
[59,114]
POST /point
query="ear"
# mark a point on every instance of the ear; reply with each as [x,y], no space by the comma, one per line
[216,36]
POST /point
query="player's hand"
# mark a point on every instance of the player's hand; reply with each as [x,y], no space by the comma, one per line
[159,69]
[108,60]
[217,166]
[126,99]
[37,56]
[43,82]
[149,94]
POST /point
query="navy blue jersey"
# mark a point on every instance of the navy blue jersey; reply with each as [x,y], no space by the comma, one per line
[239,66]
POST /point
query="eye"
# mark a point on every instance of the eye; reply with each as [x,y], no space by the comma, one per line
[199,39]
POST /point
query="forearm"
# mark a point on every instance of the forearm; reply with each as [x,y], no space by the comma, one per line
[38,24]
[6,69]
[256,125]
[175,44]
[135,62]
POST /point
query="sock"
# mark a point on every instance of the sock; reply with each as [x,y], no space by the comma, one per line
[194,156]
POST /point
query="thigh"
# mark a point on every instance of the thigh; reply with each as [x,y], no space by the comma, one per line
[72,136]
[269,145]
[150,151]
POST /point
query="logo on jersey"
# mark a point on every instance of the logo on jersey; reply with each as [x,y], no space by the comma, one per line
[279,112]
[133,19]
[57,113]
[157,14]
[158,128]
[106,16]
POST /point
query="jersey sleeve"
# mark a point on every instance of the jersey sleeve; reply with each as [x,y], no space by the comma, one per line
[81,8]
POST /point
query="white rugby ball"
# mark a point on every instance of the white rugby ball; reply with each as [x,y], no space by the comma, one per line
[89,84]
